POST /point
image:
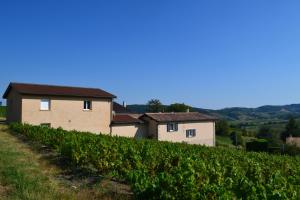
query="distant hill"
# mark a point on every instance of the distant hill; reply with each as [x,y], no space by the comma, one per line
[243,114]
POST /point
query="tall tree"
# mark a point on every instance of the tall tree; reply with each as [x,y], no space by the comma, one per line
[264,132]
[236,138]
[154,105]
[178,107]
[222,128]
[291,129]
[270,135]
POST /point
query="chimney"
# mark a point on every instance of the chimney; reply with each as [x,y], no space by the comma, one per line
[124,104]
[188,110]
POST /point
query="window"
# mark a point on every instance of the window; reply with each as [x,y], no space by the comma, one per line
[46,125]
[45,104]
[87,105]
[191,133]
[172,127]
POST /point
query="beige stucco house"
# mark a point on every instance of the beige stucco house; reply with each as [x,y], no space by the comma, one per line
[72,108]
[293,141]
[190,127]
[94,110]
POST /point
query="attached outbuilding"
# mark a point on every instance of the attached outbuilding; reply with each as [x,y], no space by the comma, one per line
[190,127]
[128,125]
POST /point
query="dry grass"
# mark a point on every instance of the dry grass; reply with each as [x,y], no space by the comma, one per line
[31,171]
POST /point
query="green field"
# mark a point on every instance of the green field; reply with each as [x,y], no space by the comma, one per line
[162,170]
[224,141]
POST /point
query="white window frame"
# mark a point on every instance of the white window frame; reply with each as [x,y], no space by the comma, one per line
[43,104]
[85,105]
[191,133]
[173,125]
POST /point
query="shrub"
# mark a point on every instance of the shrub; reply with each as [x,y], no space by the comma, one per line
[259,145]
[291,149]
[237,139]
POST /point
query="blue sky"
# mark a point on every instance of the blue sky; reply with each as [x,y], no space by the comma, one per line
[210,54]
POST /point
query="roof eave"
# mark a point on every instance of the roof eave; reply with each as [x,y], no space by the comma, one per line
[125,123]
[8,89]
[204,120]
[163,121]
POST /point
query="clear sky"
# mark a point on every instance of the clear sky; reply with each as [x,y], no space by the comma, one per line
[208,53]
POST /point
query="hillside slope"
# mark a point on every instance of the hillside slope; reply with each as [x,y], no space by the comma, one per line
[243,114]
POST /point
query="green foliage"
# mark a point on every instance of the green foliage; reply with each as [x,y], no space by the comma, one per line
[259,145]
[237,139]
[267,133]
[292,150]
[162,170]
[291,129]
[264,132]
[222,127]
[154,106]
[3,111]
[178,107]
[223,141]
[291,125]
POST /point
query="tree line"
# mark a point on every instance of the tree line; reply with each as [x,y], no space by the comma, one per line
[155,106]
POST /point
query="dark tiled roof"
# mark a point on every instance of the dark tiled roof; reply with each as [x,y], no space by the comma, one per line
[53,90]
[179,117]
[137,116]
[120,109]
[125,119]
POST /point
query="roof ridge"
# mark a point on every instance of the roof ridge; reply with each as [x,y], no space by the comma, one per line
[172,113]
[49,85]
[57,90]
[177,117]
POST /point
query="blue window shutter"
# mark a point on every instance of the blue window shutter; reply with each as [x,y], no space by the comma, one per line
[168,128]
[176,126]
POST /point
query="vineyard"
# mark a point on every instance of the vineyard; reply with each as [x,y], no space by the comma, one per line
[162,170]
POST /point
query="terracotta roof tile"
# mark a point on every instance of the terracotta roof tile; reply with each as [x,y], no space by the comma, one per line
[179,117]
[118,108]
[53,90]
[125,119]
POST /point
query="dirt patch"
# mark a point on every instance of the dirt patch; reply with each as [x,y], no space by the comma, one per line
[4,191]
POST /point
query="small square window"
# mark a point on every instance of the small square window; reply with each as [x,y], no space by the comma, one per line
[87,105]
[191,133]
[45,104]
[172,127]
